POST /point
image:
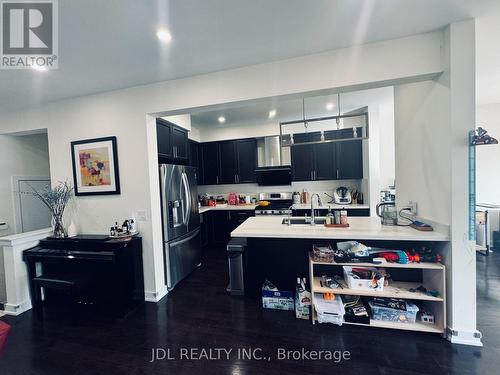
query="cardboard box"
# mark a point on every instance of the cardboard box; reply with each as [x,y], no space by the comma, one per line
[302,304]
[278,300]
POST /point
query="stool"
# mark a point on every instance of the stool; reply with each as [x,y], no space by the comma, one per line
[69,284]
[4,332]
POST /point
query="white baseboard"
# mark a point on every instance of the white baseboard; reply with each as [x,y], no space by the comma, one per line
[464,337]
[155,296]
[18,309]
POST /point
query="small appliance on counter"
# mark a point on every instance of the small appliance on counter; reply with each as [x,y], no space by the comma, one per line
[342,195]
[388,213]
[388,195]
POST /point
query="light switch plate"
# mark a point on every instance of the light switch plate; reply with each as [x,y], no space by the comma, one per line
[141,215]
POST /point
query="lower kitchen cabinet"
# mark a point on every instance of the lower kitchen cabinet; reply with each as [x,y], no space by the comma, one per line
[222,223]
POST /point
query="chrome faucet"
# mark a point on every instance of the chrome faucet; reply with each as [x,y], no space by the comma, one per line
[313,216]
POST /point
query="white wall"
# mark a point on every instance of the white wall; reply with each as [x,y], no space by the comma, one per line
[488,157]
[432,123]
[123,113]
[26,155]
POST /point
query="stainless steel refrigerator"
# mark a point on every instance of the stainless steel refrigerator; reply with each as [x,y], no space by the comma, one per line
[181,222]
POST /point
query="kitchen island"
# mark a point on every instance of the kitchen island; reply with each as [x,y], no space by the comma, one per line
[280,252]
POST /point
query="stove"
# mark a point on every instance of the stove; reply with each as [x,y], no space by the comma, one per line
[280,204]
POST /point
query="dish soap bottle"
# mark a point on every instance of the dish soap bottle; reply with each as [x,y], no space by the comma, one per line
[329,217]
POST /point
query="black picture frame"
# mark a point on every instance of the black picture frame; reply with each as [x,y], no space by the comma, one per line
[79,189]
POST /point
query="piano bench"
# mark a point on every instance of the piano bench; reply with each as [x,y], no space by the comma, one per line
[68,283]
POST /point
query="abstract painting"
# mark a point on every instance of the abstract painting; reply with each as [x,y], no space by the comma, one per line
[95,166]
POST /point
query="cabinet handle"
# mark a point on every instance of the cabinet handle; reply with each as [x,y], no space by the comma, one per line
[337,174]
[235,179]
[217,180]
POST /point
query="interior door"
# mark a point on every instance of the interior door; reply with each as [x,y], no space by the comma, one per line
[32,213]
[174,201]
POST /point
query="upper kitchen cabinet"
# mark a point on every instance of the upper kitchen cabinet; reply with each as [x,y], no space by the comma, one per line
[349,156]
[246,158]
[326,161]
[302,159]
[228,162]
[193,154]
[228,173]
[209,163]
[180,144]
[172,142]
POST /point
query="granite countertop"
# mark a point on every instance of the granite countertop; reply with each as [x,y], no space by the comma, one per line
[361,228]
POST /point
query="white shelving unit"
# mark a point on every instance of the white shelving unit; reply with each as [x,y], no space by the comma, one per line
[433,278]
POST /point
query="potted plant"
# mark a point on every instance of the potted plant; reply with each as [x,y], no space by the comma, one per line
[56,199]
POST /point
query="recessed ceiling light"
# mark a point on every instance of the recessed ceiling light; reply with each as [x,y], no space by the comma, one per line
[221,119]
[330,106]
[272,113]
[164,35]
[39,68]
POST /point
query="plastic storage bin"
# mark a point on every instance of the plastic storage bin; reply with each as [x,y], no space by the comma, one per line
[329,311]
[355,283]
[393,310]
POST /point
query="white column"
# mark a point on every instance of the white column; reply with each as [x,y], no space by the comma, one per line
[461,42]
[15,270]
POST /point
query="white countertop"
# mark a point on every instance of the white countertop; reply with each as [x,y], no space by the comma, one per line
[361,228]
[225,207]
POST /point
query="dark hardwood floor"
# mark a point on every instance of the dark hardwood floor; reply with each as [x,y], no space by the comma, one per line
[199,314]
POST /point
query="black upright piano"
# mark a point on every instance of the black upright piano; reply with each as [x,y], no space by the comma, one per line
[112,267]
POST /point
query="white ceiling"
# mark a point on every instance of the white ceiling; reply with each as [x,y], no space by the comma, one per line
[290,109]
[107,45]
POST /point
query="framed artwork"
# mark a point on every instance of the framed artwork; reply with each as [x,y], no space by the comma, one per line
[95,166]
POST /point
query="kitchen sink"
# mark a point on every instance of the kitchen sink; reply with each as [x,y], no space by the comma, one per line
[303,221]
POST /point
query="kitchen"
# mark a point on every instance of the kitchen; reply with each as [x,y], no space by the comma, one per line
[225,130]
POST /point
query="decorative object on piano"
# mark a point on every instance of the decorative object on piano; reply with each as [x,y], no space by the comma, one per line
[56,199]
[126,231]
[95,166]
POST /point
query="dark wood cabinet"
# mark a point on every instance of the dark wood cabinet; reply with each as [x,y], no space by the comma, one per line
[349,160]
[325,161]
[234,163]
[341,160]
[222,223]
[164,138]
[227,163]
[193,154]
[180,144]
[302,159]
[246,158]
[172,142]
[209,163]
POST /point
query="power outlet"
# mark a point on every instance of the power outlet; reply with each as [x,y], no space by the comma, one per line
[413,207]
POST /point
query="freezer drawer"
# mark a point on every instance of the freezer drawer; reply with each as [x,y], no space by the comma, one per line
[182,256]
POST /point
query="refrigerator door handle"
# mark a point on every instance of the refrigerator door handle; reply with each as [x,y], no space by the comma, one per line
[188,198]
[187,239]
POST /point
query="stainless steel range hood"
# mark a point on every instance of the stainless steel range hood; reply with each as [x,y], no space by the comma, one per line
[273,162]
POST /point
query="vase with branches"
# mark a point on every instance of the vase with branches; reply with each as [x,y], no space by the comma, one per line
[56,199]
